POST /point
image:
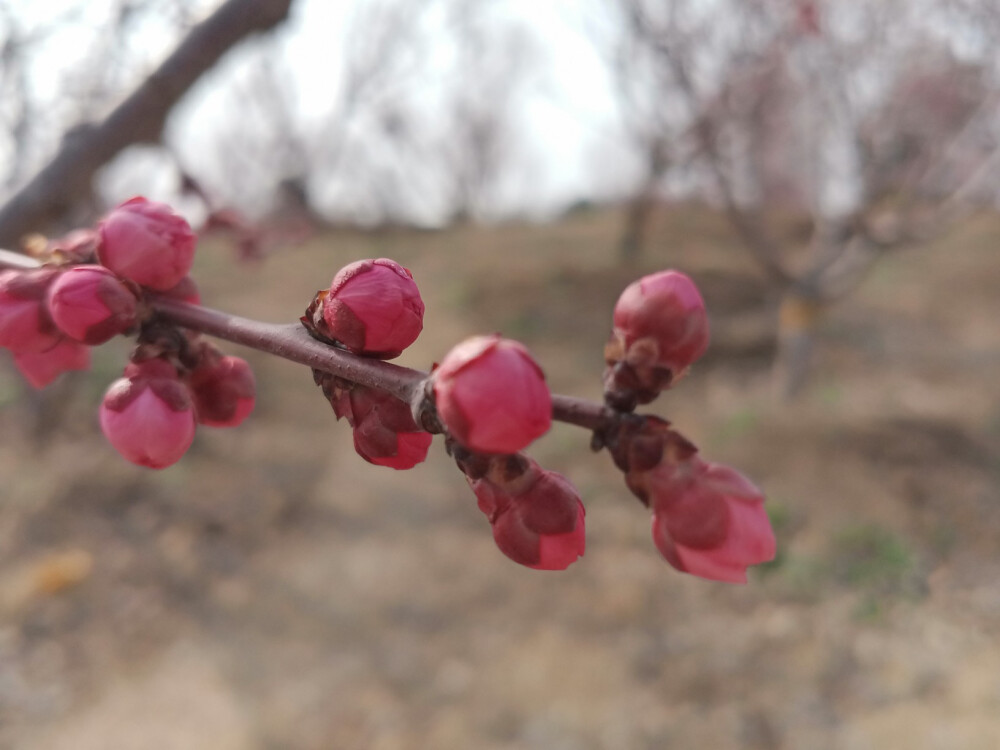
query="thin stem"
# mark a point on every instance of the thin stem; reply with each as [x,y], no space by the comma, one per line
[291,341]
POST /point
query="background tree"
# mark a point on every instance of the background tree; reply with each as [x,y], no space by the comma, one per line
[817,109]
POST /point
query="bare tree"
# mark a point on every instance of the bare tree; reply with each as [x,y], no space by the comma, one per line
[879,142]
[492,57]
[138,119]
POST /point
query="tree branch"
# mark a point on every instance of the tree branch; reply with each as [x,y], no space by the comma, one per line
[291,341]
[138,119]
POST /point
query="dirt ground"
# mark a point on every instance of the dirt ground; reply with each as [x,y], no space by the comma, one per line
[274,591]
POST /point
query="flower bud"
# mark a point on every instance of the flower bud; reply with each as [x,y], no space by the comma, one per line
[25,325]
[385,433]
[537,516]
[41,368]
[709,520]
[374,308]
[91,305]
[492,396]
[224,391]
[148,415]
[146,242]
[660,329]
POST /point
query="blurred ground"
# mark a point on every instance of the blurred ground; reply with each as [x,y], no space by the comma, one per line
[274,591]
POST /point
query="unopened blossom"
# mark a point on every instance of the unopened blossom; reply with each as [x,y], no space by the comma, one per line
[373,307]
[224,391]
[41,368]
[660,329]
[148,415]
[492,396]
[536,515]
[25,324]
[146,242]
[708,519]
[385,432]
[90,304]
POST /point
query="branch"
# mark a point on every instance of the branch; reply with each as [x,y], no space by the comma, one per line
[291,341]
[139,119]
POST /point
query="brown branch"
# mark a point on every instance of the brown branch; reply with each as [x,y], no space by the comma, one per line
[138,119]
[292,342]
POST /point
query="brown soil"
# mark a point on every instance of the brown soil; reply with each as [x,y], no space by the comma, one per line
[274,591]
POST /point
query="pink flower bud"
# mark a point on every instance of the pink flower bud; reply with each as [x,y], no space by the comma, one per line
[147,243]
[492,396]
[25,325]
[660,329]
[709,520]
[148,415]
[385,433]
[537,518]
[374,308]
[224,391]
[91,305]
[41,368]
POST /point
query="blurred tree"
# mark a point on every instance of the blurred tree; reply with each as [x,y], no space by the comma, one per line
[863,117]
[50,196]
[490,65]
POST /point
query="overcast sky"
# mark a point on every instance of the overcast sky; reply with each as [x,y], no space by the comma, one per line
[565,112]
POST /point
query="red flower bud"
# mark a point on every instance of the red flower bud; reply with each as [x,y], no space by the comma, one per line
[41,368]
[492,396]
[148,415]
[25,325]
[91,305]
[709,520]
[224,391]
[374,308]
[660,329]
[147,243]
[385,433]
[537,518]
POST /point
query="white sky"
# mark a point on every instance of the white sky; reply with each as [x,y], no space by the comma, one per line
[571,146]
[566,114]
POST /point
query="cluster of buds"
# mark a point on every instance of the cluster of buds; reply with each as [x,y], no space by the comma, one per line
[488,394]
[373,309]
[708,519]
[95,285]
